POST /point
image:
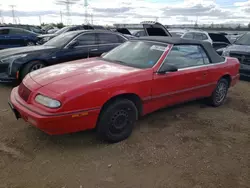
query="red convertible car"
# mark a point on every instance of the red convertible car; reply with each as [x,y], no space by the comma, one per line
[109,93]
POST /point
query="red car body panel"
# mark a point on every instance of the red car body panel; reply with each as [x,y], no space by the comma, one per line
[84,86]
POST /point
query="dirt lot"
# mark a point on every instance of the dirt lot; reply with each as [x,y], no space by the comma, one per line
[189,145]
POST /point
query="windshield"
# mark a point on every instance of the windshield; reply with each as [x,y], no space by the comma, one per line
[244,40]
[60,31]
[60,40]
[139,54]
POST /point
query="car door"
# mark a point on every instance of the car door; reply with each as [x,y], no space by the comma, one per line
[108,41]
[188,83]
[4,40]
[85,47]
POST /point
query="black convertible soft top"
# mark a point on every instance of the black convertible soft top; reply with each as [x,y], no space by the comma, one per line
[213,55]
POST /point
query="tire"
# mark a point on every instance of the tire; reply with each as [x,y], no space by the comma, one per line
[31,66]
[30,43]
[117,120]
[219,94]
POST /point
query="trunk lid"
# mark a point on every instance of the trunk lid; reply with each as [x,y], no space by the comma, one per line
[155,29]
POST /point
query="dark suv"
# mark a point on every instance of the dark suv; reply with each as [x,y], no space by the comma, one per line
[240,49]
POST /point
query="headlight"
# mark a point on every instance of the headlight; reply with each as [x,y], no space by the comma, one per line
[225,52]
[48,102]
[12,58]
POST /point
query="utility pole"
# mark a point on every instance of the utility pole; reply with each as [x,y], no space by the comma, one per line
[67,4]
[13,13]
[1,16]
[61,16]
[40,19]
[18,20]
[92,22]
[86,11]
[1,22]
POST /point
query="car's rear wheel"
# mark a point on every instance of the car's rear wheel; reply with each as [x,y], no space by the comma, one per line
[116,121]
[219,94]
[30,67]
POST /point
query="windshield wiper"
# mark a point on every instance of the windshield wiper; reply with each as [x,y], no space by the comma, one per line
[114,61]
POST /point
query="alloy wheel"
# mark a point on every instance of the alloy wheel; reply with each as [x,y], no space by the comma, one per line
[36,67]
[220,92]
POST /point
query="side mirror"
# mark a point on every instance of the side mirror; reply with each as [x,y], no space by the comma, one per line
[103,54]
[167,68]
[73,44]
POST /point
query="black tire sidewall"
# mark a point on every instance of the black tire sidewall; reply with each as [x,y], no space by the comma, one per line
[27,68]
[103,125]
[213,100]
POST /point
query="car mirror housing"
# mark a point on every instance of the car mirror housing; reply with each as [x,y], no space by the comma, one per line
[167,68]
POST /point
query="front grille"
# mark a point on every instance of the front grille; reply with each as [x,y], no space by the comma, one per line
[244,59]
[24,92]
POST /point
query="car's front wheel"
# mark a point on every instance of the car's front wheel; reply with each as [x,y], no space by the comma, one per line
[219,94]
[30,67]
[117,120]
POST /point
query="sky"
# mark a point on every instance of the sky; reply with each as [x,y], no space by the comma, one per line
[108,12]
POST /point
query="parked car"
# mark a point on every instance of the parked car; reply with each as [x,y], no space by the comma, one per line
[216,39]
[122,31]
[177,32]
[14,37]
[31,28]
[150,28]
[17,62]
[132,80]
[240,49]
[233,37]
[46,37]
[98,27]
[51,31]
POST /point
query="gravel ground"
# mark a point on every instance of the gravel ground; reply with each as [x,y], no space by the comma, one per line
[190,145]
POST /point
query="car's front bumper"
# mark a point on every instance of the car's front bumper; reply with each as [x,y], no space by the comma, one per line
[51,123]
[5,78]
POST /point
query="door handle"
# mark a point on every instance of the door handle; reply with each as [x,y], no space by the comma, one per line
[93,50]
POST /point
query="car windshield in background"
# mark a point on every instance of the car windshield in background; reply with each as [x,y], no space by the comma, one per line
[60,40]
[60,31]
[139,54]
[243,40]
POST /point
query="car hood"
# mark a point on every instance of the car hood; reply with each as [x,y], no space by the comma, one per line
[47,35]
[22,50]
[238,48]
[72,75]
